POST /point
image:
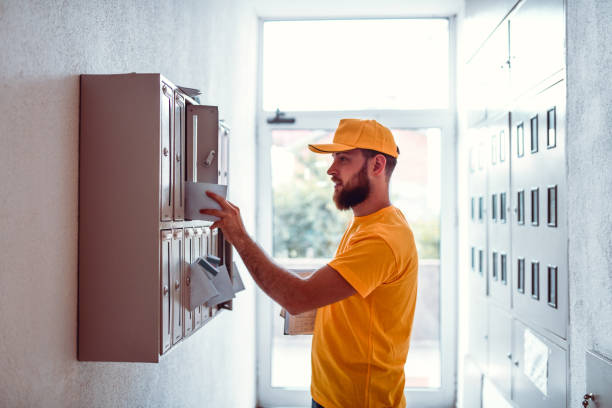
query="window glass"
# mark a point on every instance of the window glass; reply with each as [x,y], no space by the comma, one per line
[356,64]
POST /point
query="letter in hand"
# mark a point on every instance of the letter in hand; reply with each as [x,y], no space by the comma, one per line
[229,221]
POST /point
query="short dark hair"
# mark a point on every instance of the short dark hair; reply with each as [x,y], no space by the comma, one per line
[391,161]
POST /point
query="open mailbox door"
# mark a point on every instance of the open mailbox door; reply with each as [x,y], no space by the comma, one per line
[207,145]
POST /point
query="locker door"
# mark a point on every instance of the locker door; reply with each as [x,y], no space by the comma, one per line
[179,162]
[499,212]
[202,143]
[539,371]
[477,180]
[500,350]
[478,343]
[196,244]
[176,273]
[166,306]
[598,380]
[166,127]
[188,315]
[536,57]
[539,228]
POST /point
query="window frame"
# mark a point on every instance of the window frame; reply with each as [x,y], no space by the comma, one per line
[445,120]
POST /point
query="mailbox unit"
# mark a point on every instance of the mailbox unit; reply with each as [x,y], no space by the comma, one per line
[141,138]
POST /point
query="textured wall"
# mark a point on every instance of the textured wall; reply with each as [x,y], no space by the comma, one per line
[589,150]
[44,46]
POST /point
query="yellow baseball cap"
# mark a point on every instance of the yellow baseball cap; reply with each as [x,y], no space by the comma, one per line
[359,134]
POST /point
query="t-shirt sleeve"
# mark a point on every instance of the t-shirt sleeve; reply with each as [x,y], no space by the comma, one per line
[367,263]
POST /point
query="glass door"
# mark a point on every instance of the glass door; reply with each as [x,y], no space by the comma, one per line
[298,223]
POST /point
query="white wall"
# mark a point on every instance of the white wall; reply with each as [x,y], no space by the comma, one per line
[44,46]
[589,154]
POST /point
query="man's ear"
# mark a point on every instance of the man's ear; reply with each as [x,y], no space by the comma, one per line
[380,162]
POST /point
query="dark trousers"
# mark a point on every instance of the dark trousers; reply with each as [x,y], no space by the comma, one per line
[315,404]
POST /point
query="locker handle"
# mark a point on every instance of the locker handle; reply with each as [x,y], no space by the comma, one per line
[165,152]
[165,290]
[188,281]
[586,398]
[177,284]
[509,355]
[209,159]
[516,363]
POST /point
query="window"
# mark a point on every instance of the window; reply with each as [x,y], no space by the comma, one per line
[472,208]
[535,280]
[534,134]
[551,217]
[520,202]
[535,206]
[551,125]
[494,265]
[320,65]
[309,71]
[520,140]
[473,258]
[552,286]
[503,145]
[520,276]
[503,266]
[494,207]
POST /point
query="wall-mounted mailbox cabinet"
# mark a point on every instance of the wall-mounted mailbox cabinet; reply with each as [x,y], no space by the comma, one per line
[140,140]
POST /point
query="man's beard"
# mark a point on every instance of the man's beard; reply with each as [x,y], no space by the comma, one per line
[355,191]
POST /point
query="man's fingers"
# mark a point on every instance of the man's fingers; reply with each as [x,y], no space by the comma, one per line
[215,225]
[220,200]
[210,211]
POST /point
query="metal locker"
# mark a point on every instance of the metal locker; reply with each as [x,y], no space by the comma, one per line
[165,296]
[202,143]
[178,183]
[166,162]
[477,227]
[539,369]
[188,315]
[176,273]
[536,57]
[539,235]
[598,381]
[478,339]
[500,350]
[499,232]
[196,244]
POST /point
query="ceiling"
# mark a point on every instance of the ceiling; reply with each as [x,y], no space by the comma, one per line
[356,8]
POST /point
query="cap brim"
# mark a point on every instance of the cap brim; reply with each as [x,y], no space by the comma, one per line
[329,148]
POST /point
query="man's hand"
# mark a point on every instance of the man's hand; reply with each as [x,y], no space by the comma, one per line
[229,221]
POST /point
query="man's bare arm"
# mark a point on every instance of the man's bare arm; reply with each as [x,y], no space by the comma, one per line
[295,294]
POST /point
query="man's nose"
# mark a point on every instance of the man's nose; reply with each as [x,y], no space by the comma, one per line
[331,170]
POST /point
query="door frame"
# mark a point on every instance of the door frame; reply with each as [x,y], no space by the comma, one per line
[445,120]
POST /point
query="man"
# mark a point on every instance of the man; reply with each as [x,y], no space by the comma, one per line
[366,295]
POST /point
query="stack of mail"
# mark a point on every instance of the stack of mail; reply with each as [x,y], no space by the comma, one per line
[210,283]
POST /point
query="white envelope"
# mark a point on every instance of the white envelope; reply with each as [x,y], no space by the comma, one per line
[196,199]
[202,288]
[223,284]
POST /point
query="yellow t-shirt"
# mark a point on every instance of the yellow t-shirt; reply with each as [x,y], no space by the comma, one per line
[360,344]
